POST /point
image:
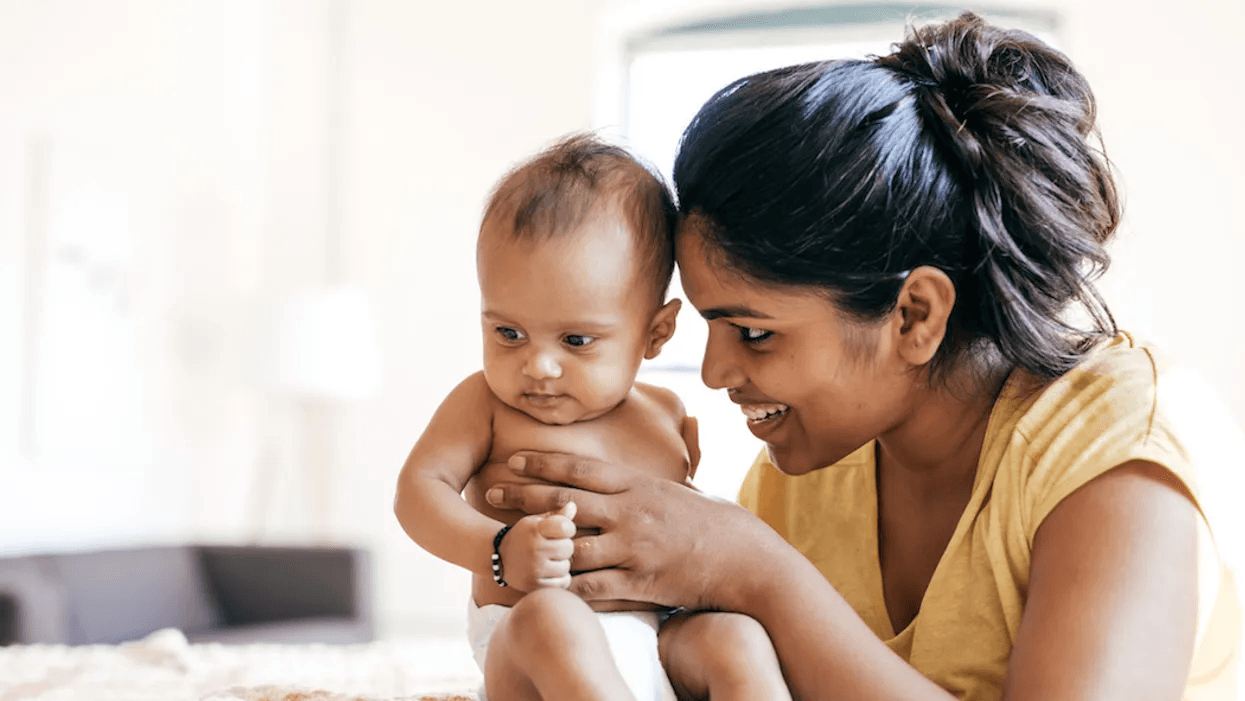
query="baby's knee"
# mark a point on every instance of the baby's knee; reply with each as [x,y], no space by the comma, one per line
[549,614]
[737,629]
[725,639]
[721,655]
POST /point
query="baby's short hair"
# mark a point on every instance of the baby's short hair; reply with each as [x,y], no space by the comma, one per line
[581,175]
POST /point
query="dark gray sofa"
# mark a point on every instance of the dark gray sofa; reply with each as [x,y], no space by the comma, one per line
[235,594]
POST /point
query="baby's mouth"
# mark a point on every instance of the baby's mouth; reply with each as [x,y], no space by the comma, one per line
[760,413]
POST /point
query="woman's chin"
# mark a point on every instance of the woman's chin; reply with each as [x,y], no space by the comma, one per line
[797,460]
[790,462]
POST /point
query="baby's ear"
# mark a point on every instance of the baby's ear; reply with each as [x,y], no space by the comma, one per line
[661,328]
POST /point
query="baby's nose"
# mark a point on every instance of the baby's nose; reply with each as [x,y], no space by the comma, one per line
[542,366]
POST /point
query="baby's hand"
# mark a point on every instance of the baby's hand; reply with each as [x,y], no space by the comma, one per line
[537,550]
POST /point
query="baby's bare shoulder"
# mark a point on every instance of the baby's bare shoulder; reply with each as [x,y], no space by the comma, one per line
[475,388]
[664,399]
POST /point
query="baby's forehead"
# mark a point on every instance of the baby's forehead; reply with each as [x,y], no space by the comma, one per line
[593,274]
[603,235]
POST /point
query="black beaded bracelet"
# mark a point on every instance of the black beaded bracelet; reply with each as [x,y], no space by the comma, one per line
[497,568]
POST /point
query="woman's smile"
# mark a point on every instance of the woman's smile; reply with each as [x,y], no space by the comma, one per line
[765,421]
[782,356]
[763,415]
[758,413]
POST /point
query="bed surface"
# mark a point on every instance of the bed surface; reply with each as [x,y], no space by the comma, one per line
[165,667]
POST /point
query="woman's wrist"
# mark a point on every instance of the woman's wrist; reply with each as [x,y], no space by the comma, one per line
[758,561]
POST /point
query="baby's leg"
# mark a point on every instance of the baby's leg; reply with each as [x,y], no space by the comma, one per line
[551,647]
[722,657]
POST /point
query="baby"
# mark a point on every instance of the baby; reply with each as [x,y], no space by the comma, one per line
[574,257]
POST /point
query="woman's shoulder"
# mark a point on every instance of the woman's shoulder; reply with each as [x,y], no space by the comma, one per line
[1116,388]
[1122,403]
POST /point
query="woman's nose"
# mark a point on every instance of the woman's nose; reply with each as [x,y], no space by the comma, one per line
[542,365]
[719,369]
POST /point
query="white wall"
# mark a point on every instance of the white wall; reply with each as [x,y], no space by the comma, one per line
[233,104]
[173,96]
[1170,109]
[443,98]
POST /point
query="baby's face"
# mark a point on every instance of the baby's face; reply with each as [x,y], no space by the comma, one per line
[564,326]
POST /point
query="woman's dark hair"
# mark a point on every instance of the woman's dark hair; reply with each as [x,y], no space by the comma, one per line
[967,148]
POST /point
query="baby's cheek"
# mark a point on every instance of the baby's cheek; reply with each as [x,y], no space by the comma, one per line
[499,375]
[608,383]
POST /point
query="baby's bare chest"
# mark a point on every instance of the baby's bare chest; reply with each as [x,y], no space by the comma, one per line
[637,437]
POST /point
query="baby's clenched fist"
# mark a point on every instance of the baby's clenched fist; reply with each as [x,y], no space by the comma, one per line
[537,550]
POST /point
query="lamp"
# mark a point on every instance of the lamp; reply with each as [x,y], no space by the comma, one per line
[322,344]
[318,347]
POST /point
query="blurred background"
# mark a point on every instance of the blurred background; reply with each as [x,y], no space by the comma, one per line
[237,236]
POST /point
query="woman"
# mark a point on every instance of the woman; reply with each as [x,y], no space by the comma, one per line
[968,494]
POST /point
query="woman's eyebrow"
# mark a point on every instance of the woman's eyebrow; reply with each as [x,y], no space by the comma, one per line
[733,312]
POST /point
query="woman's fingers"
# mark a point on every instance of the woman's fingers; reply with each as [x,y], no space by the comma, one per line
[542,498]
[592,510]
[595,552]
[571,470]
[604,585]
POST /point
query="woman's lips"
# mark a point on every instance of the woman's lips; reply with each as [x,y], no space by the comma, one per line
[763,412]
[765,419]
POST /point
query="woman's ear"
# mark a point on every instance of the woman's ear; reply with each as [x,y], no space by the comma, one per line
[661,328]
[924,306]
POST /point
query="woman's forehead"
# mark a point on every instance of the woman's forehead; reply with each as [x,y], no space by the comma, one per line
[718,289]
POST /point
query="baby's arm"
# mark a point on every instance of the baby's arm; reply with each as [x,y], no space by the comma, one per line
[688,426]
[691,436]
[429,504]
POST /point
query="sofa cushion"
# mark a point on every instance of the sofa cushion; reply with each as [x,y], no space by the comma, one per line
[269,584]
[119,595]
[333,631]
[37,609]
[8,619]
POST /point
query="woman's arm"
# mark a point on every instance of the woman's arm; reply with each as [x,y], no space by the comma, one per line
[1112,605]
[1108,617]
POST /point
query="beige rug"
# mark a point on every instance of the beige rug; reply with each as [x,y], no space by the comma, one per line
[165,667]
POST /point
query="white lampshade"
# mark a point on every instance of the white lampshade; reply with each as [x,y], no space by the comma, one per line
[322,343]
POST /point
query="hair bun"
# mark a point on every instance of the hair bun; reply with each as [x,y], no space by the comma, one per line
[1011,119]
[972,71]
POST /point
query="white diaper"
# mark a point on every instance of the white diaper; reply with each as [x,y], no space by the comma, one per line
[632,637]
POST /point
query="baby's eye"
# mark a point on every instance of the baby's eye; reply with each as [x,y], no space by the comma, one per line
[578,341]
[509,334]
[747,334]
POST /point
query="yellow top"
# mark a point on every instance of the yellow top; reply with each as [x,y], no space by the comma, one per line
[1038,449]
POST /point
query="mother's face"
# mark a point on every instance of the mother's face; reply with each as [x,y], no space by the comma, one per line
[812,384]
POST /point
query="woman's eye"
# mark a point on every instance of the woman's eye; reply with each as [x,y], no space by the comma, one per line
[509,334]
[577,341]
[747,334]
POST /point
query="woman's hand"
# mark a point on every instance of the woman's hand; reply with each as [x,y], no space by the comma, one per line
[659,541]
[665,543]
